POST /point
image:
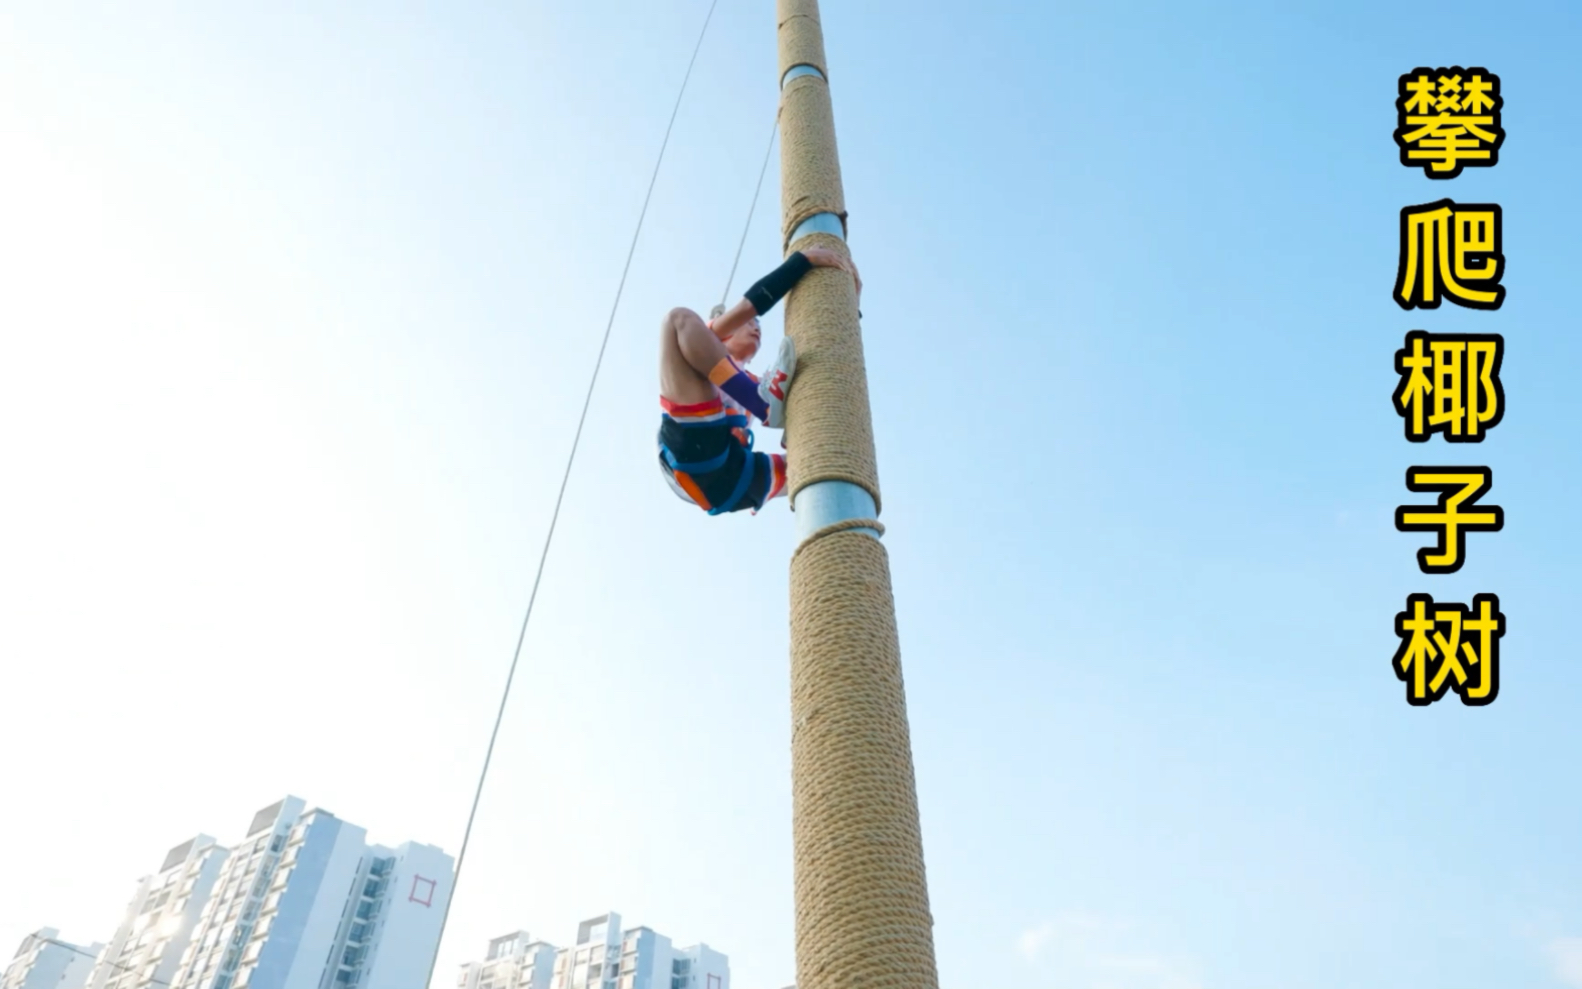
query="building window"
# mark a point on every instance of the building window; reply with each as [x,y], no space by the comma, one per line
[422,891]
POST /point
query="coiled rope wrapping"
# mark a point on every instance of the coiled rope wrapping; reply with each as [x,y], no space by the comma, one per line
[862,914]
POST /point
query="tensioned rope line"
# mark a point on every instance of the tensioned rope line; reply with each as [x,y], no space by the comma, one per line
[773,130]
[554,517]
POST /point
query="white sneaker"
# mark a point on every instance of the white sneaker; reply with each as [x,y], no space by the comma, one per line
[776,384]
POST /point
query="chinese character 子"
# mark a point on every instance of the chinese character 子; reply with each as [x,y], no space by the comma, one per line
[1450,384]
[1449,647]
[1459,489]
[1448,119]
[1444,247]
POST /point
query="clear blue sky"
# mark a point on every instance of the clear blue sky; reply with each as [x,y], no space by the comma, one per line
[298,309]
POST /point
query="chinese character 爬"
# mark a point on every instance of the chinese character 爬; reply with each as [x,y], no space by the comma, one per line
[1450,384]
[1448,119]
[1430,661]
[1459,488]
[1444,245]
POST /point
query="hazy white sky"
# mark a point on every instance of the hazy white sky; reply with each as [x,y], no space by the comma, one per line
[297,307]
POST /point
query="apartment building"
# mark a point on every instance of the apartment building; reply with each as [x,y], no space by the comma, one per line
[606,956]
[157,927]
[514,961]
[304,902]
[44,961]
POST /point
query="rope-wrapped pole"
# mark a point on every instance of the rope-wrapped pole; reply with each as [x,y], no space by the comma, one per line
[862,916]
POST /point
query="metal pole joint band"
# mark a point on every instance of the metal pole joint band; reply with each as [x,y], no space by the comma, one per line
[819,223]
[800,70]
[825,503]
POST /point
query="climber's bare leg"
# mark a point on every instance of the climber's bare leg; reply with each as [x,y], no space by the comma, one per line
[689,350]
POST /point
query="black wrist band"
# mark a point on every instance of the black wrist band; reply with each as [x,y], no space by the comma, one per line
[773,287]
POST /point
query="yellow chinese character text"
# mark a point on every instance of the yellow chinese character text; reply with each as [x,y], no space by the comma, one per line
[1449,647]
[1448,119]
[1450,384]
[1459,488]
[1444,246]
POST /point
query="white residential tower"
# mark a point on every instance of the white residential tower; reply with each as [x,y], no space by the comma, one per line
[148,945]
[44,961]
[606,957]
[515,961]
[306,903]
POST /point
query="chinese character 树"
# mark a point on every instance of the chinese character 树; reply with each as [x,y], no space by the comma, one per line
[1449,647]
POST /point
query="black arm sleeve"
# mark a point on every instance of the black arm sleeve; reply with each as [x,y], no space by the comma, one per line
[773,287]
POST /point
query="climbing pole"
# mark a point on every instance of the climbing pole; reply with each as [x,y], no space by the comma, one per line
[862,916]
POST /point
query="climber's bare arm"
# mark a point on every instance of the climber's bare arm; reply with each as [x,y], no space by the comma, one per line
[696,357]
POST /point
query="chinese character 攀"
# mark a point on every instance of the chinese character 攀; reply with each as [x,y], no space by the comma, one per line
[1449,119]
[1450,384]
[1444,245]
[1449,647]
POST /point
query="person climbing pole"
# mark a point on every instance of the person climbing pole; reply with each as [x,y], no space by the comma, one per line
[706,394]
